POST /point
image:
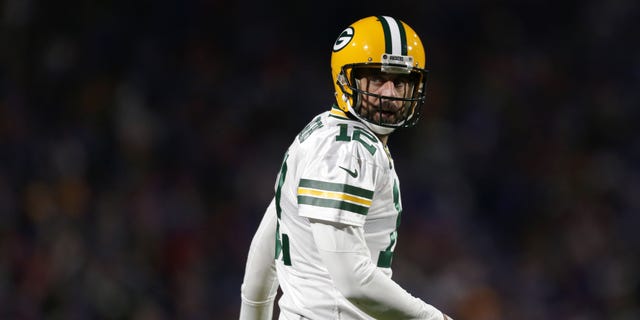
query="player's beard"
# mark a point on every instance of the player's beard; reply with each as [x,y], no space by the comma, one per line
[382,111]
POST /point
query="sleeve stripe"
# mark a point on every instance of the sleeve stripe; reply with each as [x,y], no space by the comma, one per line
[329,203]
[333,195]
[336,187]
[338,114]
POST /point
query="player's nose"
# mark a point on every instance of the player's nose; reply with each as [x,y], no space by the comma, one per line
[388,89]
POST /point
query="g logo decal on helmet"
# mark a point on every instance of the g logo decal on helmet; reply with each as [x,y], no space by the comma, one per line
[344,39]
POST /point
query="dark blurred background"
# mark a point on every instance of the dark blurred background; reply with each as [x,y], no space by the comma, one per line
[140,140]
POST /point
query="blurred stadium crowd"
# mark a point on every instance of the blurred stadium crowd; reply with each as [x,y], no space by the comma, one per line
[139,143]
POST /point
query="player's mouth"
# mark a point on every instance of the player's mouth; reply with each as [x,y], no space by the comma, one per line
[386,116]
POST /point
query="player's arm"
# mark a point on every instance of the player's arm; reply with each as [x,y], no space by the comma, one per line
[260,284]
[345,254]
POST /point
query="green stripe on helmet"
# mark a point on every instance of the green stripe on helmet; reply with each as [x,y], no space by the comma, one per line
[403,38]
[387,35]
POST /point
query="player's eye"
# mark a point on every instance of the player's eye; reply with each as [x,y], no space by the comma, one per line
[401,81]
[377,80]
[399,84]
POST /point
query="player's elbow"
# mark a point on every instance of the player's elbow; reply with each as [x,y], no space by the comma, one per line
[351,277]
[352,293]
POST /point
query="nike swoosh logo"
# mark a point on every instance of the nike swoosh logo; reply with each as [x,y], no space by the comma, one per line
[353,174]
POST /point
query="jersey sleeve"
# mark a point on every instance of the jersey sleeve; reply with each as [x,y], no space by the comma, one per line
[338,184]
[260,284]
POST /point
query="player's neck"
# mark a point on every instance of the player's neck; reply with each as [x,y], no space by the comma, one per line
[383,138]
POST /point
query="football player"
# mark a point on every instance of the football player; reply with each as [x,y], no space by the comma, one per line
[327,238]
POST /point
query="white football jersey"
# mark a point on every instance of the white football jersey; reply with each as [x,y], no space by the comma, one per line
[335,170]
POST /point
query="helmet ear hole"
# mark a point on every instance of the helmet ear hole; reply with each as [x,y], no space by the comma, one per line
[342,79]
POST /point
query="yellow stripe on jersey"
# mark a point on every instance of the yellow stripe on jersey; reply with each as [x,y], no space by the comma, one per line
[338,113]
[333,195]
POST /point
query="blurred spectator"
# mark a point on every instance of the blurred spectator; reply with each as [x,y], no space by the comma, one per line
[138,142]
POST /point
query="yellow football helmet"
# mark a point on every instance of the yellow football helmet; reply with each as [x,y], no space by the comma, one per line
[386,46]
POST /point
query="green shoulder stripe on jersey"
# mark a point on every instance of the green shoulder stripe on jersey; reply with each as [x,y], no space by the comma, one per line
[336,204]
[336,187]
